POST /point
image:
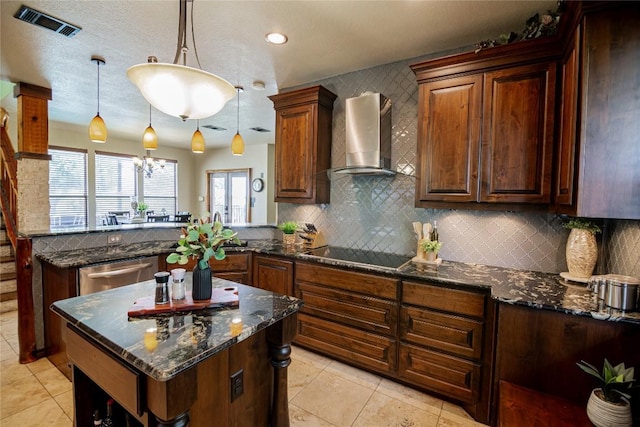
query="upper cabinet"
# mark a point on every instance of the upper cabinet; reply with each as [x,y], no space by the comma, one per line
[303,145]
[486,126]
[599,132]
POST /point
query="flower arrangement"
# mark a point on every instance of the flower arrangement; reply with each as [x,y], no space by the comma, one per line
[582,224]
[202,240]
[431,245]
[536,26]
[142,206]
[288,227]
[612,381]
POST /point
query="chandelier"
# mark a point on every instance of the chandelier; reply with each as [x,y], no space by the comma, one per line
[147,164]
[179,90]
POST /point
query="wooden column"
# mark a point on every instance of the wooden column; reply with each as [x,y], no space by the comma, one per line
[279,337]
[33,118]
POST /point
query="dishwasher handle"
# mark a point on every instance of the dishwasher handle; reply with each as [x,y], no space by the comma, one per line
[115,273]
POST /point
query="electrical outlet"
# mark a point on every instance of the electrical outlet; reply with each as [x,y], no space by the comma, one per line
[237,385]
[114,238]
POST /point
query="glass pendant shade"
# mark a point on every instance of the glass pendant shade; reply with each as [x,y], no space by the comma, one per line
[150,139]
[197,142]
[181,91]
[98,130]
[237,145]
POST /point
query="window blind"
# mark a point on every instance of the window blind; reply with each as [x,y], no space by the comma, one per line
[115,184]
[67,187]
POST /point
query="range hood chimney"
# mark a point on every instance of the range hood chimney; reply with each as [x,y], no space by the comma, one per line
[368,132]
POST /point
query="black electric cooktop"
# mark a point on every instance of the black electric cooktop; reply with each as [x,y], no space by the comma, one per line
[361,256]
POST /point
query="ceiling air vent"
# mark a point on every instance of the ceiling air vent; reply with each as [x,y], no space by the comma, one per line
[41,19]
[213,127]
[259,129]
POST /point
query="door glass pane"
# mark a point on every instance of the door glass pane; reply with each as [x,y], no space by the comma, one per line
[218,194]
[228,194]
[238,198]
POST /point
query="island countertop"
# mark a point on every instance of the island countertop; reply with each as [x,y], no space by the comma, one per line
[174,343]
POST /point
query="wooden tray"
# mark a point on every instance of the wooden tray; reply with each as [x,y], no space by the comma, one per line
[226,297]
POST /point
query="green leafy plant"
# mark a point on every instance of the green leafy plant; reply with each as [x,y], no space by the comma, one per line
[431,246]
[202,240]
[583,224]
[612,381]
[288,227]
[142,206]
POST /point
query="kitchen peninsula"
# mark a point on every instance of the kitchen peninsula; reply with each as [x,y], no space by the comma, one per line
[230,364]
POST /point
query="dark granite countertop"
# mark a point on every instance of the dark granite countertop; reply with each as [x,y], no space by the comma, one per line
[530,288]
[174,343]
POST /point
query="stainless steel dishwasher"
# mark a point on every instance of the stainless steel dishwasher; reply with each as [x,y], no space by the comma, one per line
[100,277]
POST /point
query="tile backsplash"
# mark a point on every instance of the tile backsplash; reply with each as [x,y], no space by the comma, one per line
[375,213]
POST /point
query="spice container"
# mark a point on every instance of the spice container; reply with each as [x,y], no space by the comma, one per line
[622,292]
[162,287]
[177,284]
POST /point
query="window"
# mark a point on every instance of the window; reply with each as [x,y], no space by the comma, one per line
[67,187]
[160,188]
[228,193]
[115,184]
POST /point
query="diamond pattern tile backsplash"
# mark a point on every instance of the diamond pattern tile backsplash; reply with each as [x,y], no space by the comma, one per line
[376,213]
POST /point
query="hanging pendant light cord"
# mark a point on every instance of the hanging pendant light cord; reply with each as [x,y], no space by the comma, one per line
[98,62]
[149,115]
[238,114]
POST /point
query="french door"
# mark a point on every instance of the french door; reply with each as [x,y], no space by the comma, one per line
[228,194]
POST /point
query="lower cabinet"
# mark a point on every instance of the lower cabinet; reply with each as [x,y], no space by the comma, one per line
[273,274]
[446,343]
[235,267]
[348,315]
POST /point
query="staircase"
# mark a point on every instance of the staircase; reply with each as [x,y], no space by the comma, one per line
[8,283]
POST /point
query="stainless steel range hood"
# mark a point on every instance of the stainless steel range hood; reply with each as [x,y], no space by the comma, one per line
[368,132]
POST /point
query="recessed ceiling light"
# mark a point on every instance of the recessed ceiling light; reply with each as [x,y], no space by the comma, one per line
[258,85]
[276,38]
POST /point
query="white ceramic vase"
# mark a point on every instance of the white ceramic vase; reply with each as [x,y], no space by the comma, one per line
[605,414]
[581,252]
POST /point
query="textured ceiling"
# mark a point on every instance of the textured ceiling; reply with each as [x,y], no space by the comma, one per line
[326,38]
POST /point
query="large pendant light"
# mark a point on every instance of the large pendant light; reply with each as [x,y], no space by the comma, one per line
[97,128]
[179,90]
[237,144]
[197,141]
[149,137]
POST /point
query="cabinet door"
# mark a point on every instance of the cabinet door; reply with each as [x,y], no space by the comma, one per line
[273,274]
[295,129]
[517,134]
[448,140]
[568,124]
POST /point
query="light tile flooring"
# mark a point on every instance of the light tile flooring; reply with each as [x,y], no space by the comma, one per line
[322,393]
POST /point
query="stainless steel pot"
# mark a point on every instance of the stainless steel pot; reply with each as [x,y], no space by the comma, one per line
[598,284]
[621,292]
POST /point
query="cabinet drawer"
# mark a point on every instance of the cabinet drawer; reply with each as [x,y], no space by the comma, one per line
[448,375]
[234,276]
[119,381]
[383,287]
[366,313]
[348,344]
[231,262]
[453,334]
[445,299]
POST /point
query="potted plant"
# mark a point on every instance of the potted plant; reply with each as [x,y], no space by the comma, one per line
[582,249]
[142,208]
[288,229]
[202,240]
[431,248]
[609,404]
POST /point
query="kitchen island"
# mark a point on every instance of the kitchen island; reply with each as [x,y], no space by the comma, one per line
[227,365]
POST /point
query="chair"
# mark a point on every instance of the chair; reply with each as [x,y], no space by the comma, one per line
[182,217]
[112,220]
[158,218]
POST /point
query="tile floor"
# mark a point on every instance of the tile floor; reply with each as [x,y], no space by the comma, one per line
[322,393]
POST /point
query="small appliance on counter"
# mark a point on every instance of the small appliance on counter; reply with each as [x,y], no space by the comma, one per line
[311,237]
[616,291]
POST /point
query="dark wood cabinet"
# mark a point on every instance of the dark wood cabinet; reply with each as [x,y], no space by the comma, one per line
[598,171]
[486,129]
[235,267]
[446,343]
[273,274]
[303,145]
[348,315]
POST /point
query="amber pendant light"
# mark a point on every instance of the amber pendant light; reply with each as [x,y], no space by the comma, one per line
[197,141]
[149,137]
[237,144]
[97,128]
